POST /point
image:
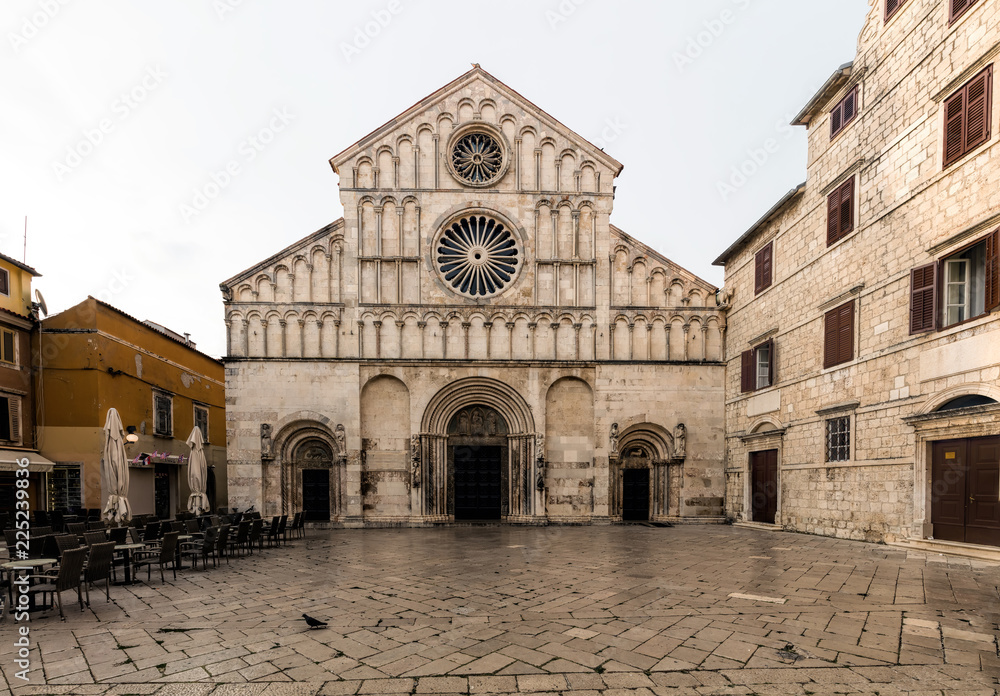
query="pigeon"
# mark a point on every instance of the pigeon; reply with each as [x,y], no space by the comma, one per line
[314,623]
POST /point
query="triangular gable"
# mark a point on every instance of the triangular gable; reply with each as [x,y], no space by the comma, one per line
[644,250]
[331,229]
[440,95]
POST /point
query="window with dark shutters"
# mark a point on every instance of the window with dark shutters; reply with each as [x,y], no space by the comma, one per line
[840,212]
[923,298]
[748,374]
[993,271]
[4,282]
[763,266]
[844,112]
[891,6]
[958,8]
[967,117]
[838,335]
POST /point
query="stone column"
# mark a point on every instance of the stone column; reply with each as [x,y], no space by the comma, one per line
[488,325]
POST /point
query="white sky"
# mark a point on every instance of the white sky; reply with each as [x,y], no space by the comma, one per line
[206,75]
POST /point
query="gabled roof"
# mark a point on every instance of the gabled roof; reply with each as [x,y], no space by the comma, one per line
[315,236]
[768,216]
[477,73]
[839,78]
[22,266]
[649,251]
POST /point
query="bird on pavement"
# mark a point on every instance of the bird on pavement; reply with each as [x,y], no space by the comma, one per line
[314,623]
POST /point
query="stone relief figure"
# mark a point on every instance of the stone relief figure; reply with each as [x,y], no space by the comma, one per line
[477,422]
[415,460]
[614,439]
[340,437]
[540,448]
[227,292]
[491,423]
[266,444]
[463,423]
[680,441]
[540,462]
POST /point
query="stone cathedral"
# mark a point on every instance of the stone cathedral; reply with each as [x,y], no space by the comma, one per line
[475,340]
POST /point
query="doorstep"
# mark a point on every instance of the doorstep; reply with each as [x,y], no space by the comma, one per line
[950,548]
[759,525]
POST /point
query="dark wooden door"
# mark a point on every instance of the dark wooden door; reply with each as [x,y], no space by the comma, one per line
[477,482]
[316,494]
[764,486]
[635,495]
[965,491]
[161,492]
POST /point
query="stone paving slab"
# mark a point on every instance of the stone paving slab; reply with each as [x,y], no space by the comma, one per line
[586,611]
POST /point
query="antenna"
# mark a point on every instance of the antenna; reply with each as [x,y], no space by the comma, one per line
[41,302]
[25,259]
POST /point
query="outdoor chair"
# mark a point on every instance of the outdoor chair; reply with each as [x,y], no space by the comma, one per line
[152,532]
[223,541]
[77,528]
[99,567]
[41,530]
[38,544]
[271,531]
[40,518]
[92,538]
[204,548]
[65,542]
[10,536]
[119,535]
[242,539]
[283,529]
[93,526]
[256,529]
[70,576]
[300,525]
[162,556]
[93,514]
[58,520]
[4,520]
[192,527]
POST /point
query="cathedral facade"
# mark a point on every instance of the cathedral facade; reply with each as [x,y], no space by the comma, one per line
[475,340]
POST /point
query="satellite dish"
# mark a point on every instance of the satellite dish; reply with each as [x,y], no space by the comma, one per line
[41,302]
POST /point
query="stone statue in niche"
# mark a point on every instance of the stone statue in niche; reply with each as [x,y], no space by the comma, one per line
[477,422]
[340,437]
[227,292]
[680,441]
[415,460]
[463,423]
[266,444]
[540,462]
[613,440]
[491,423]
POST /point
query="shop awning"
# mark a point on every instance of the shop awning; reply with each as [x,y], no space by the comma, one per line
[37,463]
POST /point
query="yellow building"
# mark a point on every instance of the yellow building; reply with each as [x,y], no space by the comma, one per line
[18,322]
[93,357]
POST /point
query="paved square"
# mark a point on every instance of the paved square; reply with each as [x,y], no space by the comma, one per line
[579,610]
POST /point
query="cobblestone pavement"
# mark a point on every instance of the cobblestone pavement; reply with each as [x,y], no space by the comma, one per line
[618,611]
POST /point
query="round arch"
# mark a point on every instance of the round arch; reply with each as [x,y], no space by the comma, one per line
[475,391]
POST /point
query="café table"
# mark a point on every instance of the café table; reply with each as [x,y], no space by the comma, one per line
[128,549]
[27,564]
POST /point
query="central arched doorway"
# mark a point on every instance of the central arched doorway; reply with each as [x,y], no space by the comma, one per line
[314,459]
[477,449]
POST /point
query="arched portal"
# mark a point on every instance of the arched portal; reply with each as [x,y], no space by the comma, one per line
[308,470]
[645,476]
[313,480]
[478,430]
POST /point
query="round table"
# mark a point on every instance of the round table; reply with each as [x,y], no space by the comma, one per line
[28,564]
[128,549]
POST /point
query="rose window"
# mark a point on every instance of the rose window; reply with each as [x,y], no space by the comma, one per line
[477,256]
[477,158]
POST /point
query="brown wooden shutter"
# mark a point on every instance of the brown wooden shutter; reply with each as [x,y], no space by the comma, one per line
[846,331]
[8,352]
[4,281]
[954,122]
[832,217]
[768,264]
[958,7]
[850,104]
[15,419]
[830,336]
[977,109]
[891,6]
[762,268]
[836,120]
[770,363]
[847,207]
[748,376]
[993,271]
[758,272]
[923,295]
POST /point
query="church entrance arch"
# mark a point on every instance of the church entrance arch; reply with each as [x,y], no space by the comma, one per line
[645,475]
[479,457]
[308,469]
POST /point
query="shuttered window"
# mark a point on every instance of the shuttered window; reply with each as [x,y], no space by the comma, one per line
[4,282]
[10,419]
[840,212]
[8,347]
[163,415]
[967,117]
[201,420]
[763,268]
[993,271]
[967,285]
[757,368]
[923,298]
[958,8]
[891,6]
[844,112]
[838,335]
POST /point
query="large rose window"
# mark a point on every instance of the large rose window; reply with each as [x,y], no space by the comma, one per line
[477,256]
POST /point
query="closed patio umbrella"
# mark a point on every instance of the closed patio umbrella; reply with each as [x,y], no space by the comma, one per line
[114,470]
[197,473]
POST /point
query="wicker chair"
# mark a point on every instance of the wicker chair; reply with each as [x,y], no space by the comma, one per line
[95,525]
[38,530]
[273,531]
[192,527]
[119,535]
[99,567]
[242,540]
[256,538]
[223,543]
[152,532]
[204,548]
[166,554]
[77,528]
[70,576]
[91,538]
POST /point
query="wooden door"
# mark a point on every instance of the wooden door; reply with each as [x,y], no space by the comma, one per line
[316,494]
[965,491]
[764,486]
[635,495]
[477,482]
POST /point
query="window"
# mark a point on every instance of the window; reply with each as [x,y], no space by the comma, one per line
[840,212]
[10,419]
[838,439]
[844,112]
[838,335]
[4,282]
[163,421]
[891,6]
[967,117]
[958,8]
[969,286]
[201,420]
[763,268]
[8,347]
[757,368]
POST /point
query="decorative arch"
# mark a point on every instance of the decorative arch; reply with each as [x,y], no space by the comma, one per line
[648,446]
[936,401]
[304,441]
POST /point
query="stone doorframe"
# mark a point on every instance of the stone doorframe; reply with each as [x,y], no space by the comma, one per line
[308,444]
[930,426]
[434,500]
[664,475]
[764,434]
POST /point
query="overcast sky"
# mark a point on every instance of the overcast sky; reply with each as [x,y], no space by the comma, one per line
[117,114]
